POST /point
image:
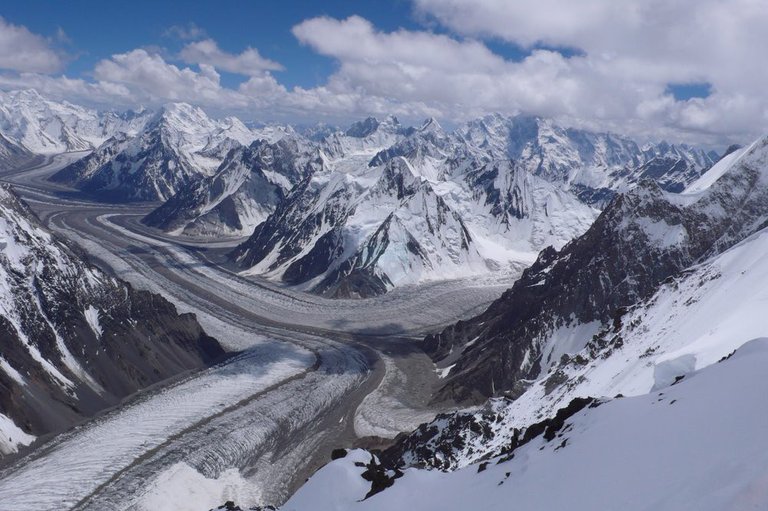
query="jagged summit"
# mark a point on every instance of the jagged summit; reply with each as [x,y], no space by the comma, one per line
[248,185]
[178,145]
[370,125]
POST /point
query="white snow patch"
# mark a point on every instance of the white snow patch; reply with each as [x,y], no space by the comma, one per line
[660,233]
[666,372]
[189,490]
[443,372]
[11,436]
[91,314]
[12,372]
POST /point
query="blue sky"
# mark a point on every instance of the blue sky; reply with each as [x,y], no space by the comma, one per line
[117,27]
[678,70]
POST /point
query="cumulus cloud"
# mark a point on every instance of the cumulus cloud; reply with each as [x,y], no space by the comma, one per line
[151,78]
[249,62]
[641,46]
[356,40]
[459,78]
[627,55]
[21,50]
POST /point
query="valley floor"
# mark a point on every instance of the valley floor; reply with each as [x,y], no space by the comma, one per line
[314,374]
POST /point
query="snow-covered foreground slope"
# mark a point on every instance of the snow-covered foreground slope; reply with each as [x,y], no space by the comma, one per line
[700,444]
[690,323]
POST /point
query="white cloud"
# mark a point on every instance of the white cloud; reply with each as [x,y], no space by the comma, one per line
[149,78]
[21,50]
[459,78]
[630,52]
[249,62]
[640,46]
[188,32]
[356,40]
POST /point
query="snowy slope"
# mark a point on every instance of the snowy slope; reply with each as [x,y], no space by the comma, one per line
[74,339]
[690,446]
[716,171]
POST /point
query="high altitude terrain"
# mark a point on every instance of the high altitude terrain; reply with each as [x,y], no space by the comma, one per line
[357,212]
[490,307]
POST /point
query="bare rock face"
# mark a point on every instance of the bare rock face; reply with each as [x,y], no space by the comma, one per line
[74,339]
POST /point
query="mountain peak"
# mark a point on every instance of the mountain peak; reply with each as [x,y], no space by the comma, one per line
[431,125]
[181,110]
[371,125]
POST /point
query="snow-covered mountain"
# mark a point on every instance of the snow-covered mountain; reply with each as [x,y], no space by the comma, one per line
[178,145]
[364,231]
[75,340]
[593,165]
[499,189]
[43,126]
[363,138]
[642,238]
[246,188]
[510,184]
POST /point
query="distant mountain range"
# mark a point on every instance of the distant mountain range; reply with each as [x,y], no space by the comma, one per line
[359,211]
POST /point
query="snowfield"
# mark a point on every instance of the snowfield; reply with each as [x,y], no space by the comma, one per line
[700,444]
